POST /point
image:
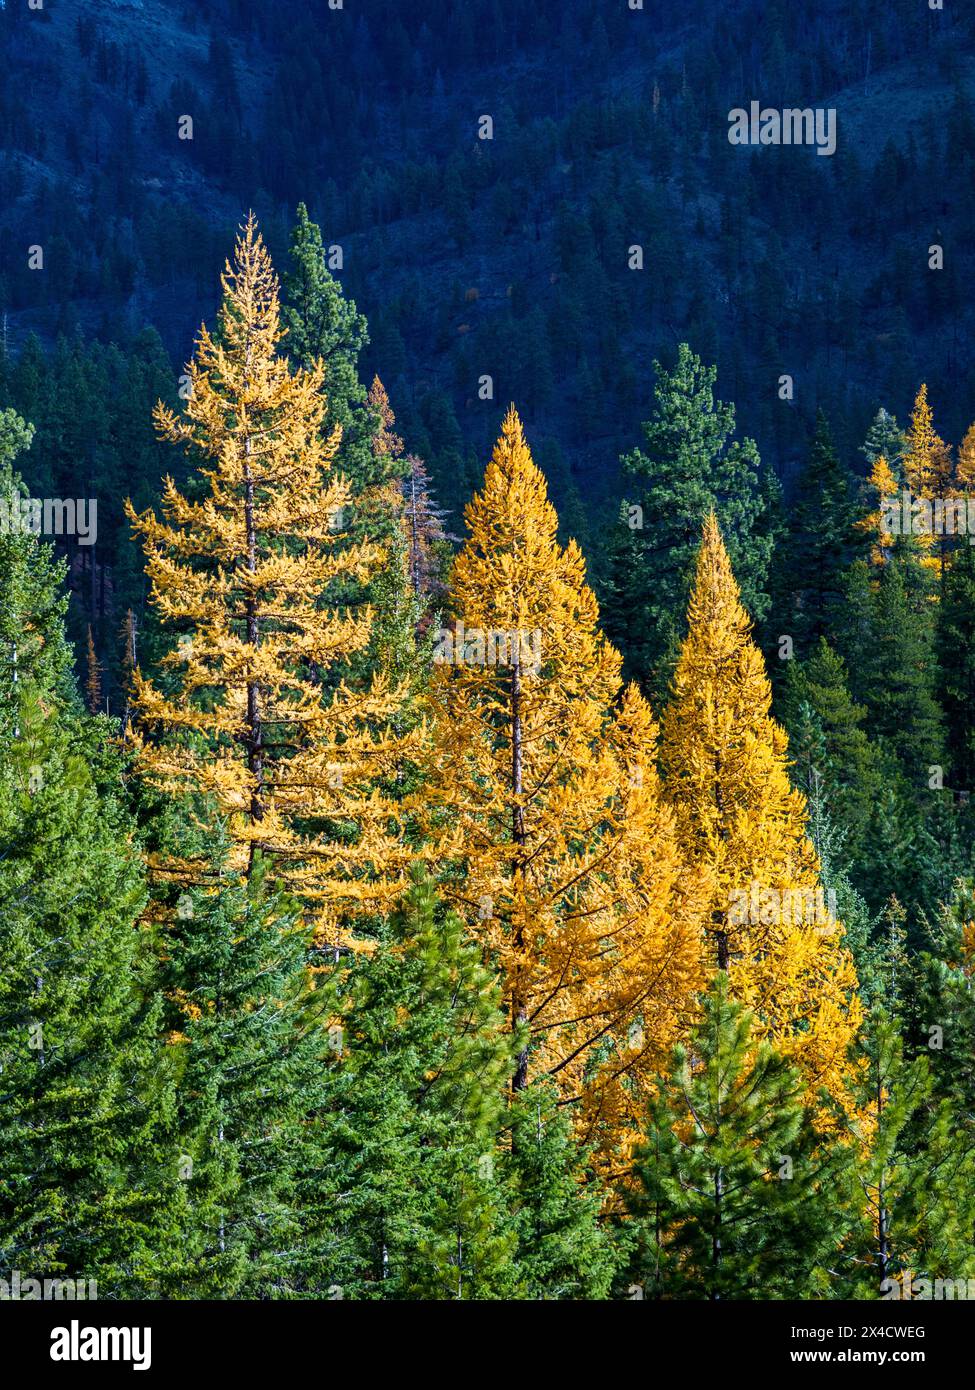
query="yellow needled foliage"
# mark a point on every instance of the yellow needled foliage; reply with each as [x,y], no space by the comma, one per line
[547,807]
[238,714]
[881,487]
[741,823]
[929,471]
[965,468]
[386,442]
[968,947]
[927,459]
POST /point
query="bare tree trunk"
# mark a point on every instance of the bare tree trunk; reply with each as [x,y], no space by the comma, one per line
[255,729]
[519,1009]
[723,954]
[716,1238]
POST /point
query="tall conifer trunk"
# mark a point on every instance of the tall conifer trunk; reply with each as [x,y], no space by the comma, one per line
[255,732]
[519,1012]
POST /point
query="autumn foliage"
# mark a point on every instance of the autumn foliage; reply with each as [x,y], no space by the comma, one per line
[743,826]
[239,713]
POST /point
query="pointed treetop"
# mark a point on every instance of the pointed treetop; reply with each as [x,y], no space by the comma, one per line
[744,826]
[386,443]
[927,462]
[716,611]
[251,304]
[515,487]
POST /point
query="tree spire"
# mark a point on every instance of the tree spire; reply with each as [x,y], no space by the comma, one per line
[743,827]
[243,576]
[547,804]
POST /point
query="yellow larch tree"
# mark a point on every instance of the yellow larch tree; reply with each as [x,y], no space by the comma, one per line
[927,458]
[93,679]
[386,443]
[965,467]
[743,826]
[545,806]
[240,713]
[930,473]
[882,488]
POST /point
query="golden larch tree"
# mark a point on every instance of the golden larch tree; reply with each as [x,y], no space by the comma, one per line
[880,489]
[930,473]
[927,458]
[965,468]
[743,826]
[239,714]
[545,804]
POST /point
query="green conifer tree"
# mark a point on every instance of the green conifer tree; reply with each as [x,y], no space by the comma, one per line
[816,692]
[903,710]
[688,465]
[248,1034]
[565,1251]
[956,666]
[885,439]
[418,1094]
[322,323]
[33,604]
[89,1184]
[733,1185]
[822,543]
[912,1200]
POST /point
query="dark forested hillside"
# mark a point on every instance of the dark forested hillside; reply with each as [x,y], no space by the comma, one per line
[509,256]
[487,649]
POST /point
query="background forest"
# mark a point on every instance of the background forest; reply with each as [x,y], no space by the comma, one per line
[452,850]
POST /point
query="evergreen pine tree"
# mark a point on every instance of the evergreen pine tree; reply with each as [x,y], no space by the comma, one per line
[940,1005]
[33,604]
[89,1184]
[418,1087]
[904,713]
[248,1036]
[955,643]
[324,328]
[689,465]
[846,760]
[564,1250]
[734,1188]
[885,439]
[913,1197]
[822,543]
[322,325]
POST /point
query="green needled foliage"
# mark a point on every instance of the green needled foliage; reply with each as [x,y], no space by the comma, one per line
[418,1092]
[731,1194]
[33,604]
[822,542]
[688,465]
[816,698]
[904,711]
[956,666]
[322,323]
[249,1037]
[566,1250]
[88,1181]
[88,1188]
[913,1189]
